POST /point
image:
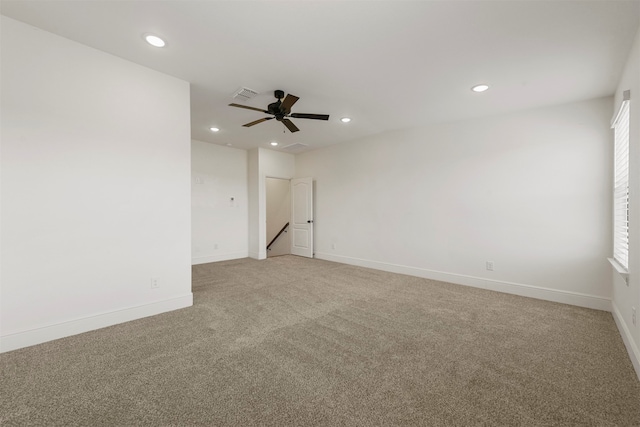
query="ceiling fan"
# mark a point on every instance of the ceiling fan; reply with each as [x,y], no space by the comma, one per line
[281,110]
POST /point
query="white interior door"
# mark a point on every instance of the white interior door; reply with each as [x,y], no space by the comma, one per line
[302,217]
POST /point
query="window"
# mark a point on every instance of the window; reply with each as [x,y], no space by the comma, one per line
[621,185]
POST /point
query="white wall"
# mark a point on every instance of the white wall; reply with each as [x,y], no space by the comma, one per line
[278,199]
[218,223]
[625,297]
[254,203]
[529,191]
[95,189]
[263,163]
[276,164]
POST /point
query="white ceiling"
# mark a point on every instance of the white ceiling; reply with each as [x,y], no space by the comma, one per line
[387,64]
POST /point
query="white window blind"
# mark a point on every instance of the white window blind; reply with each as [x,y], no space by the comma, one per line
[621,185]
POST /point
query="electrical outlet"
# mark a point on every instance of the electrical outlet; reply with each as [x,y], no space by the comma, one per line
[633,316]
[490,265]
[333,246]
[215,246]
[154,283]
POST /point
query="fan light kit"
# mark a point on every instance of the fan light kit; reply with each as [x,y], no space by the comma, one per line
[154,40]
[281,111]
[480,88]
[214,129]
[345,120]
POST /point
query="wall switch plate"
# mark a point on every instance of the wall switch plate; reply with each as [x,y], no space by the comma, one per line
[154,283]
[490,265]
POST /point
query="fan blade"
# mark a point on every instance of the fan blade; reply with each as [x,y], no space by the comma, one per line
[310,116]
[249,108]
[289,124]
[288,103]
[257,121]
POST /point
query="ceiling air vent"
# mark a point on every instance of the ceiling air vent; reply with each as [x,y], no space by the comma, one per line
[244,94]
[295,148]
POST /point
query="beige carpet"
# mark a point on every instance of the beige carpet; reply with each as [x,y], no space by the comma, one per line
[292,341]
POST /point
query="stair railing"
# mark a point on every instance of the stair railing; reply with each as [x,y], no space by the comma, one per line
[284,229]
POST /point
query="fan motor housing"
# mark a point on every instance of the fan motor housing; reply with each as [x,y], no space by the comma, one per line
[275,109]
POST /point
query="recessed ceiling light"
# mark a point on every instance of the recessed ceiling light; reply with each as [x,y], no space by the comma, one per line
[154,40]
[214,129]
[480,88]
[274,143]
[345,120]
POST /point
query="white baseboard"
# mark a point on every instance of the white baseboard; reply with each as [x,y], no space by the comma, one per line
[218,257]
[547,294]
[632,348]
[60,330]
[258,255]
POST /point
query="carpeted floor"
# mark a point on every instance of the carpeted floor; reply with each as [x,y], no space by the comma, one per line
[292,341]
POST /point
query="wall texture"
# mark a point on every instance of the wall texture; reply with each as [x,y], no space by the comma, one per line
[218,223]
[529,192]
[625,297]
[95,189]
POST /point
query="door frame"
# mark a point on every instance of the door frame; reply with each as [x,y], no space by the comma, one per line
[266,197]
[262,212]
